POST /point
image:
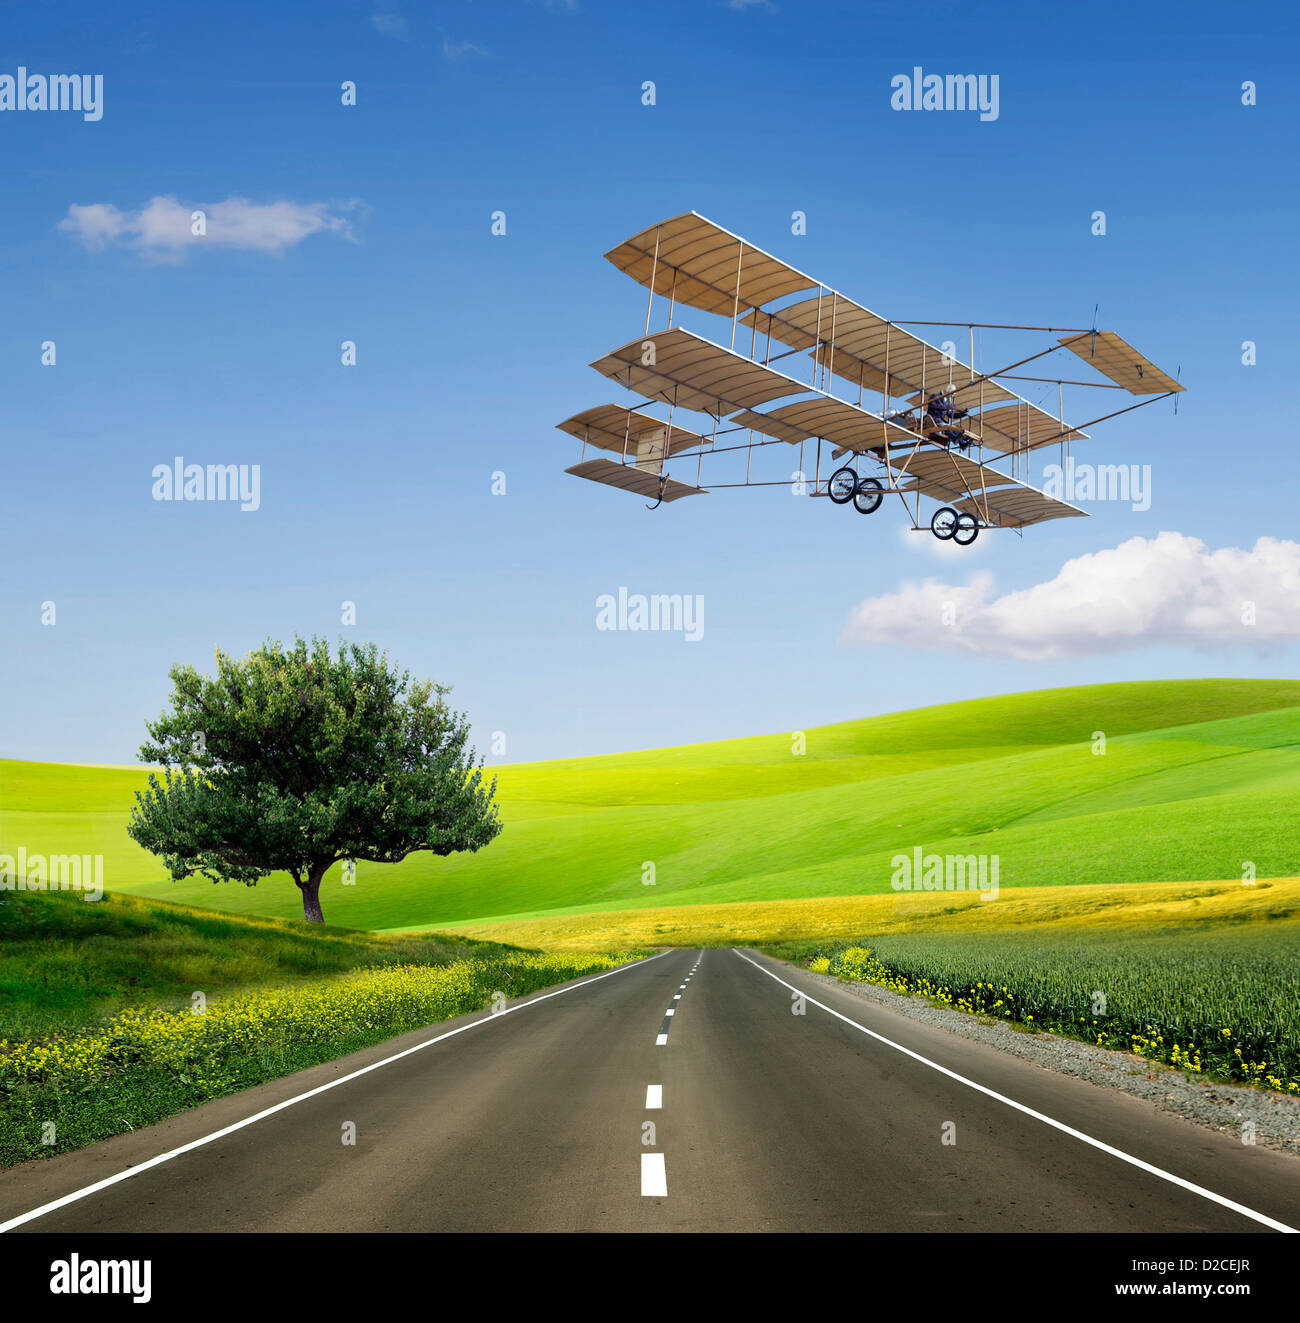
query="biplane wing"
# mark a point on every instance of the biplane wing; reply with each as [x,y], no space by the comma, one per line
[1018,427]
[944,475]
[629,478]
[697,263]
[836,421]
[1017,506]
[976,489]
[864,349]
[693,373]
[630,433]
[1115,358]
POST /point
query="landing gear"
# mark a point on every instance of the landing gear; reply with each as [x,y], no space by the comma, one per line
[943,523]
[967,530]
[843,484]
[869,494]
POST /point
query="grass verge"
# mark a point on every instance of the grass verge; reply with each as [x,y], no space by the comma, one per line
[66,963]
[143,1065]
[122,1012]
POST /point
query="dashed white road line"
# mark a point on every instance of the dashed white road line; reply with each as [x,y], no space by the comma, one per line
[661,1039]
[1029,1111]
[654,1175]
[654,1096]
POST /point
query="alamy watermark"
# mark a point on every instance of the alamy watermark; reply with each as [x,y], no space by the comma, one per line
[923,91]
[1099,482]
[945,872]
[54,872]
[180,481]
[80,92]
[681,613]
[77,1276]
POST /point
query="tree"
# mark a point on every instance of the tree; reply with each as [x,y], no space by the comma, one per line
[295,759]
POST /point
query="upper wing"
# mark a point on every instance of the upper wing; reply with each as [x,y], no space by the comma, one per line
[699,264]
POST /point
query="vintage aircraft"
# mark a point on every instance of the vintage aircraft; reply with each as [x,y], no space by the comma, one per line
[943,431]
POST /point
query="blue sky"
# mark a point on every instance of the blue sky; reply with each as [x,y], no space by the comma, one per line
[376,479]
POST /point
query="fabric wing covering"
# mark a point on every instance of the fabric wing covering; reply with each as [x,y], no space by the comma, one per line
[631,479]
[1017,506]
[1019,427]
[695,262]
[843,424]
[694,373]
[625,431]
[1115,358]
[940,473]
[863,348]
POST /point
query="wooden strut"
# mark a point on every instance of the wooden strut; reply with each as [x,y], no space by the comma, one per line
[654,271]
[991,326]
[1061,381]
[1078,427]
[969,490]
[735,307]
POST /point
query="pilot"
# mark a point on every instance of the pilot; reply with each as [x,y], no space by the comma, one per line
[943,409]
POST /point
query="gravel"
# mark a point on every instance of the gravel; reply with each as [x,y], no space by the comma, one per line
[1218,1106]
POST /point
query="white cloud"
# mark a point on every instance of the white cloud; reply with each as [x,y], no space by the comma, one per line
[924,543]
[460,50]
[1170,589]
[163,229]
[389,23]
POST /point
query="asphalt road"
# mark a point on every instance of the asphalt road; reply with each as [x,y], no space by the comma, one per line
[544,1119]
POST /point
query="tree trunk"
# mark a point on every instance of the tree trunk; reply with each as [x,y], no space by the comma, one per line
[310,889]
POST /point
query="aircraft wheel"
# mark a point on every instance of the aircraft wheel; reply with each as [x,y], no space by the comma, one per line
[843,483]
[967,530]
[869,494]
[943,523]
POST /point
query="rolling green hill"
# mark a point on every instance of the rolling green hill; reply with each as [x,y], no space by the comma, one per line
[1197,777]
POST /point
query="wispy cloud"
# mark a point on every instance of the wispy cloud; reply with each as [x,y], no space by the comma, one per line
[164,228]
[1170,589]
[750,4]
[389,23]
[460,50]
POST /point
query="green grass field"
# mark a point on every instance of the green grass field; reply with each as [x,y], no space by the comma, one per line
[1198,776]
[66,964]
[99,1032]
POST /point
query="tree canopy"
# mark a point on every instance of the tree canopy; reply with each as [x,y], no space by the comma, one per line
[297,758]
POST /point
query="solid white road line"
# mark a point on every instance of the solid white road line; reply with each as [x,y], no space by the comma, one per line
[654,1096]
[661,1040]
[654,1176]
[489,1018]
[1029,1111]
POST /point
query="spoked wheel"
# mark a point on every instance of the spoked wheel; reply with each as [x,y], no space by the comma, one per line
[943,523]
[868,496]
[968,529]
[843,483]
